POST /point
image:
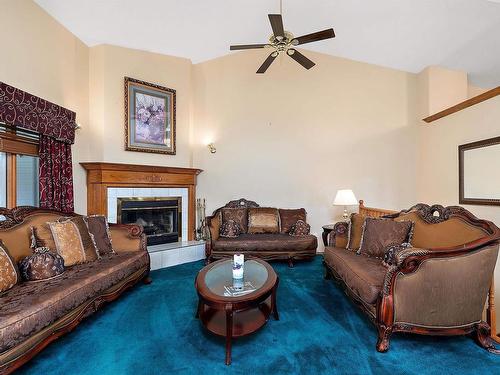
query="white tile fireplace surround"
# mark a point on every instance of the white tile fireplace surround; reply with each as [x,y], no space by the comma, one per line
[163,255]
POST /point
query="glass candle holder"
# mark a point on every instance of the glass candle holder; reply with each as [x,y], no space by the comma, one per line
[238,263]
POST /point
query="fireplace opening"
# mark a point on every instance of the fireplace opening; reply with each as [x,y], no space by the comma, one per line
[161,218]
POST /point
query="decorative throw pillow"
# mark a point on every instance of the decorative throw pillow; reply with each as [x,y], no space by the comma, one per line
[263,220]
[379,234]
[91,253]
[9,274]
[68,242]
[238,215]
[99,229]
[41,236]
[288,217]
[355,231]
[41,265]
[230,229]
[300,228]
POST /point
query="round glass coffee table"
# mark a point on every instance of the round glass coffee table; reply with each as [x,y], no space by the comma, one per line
[225,310]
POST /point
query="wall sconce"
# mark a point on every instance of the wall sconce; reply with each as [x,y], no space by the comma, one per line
[212,148]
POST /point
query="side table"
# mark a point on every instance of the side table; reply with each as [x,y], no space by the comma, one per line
[326,229]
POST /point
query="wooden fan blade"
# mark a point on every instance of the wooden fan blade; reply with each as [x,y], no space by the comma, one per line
[246,46]
[300,58]
[314,37]
[267,62]
[277,25]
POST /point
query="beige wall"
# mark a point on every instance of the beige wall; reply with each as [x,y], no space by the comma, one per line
[108,67]
[45,59]
[441,89]
[291,137]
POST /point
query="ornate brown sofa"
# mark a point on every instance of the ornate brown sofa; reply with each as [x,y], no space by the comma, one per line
[32,314]
[437,287]
[277,246]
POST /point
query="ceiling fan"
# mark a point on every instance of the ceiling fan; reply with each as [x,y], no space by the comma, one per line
[284,41]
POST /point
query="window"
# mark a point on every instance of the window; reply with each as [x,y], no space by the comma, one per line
[18,167]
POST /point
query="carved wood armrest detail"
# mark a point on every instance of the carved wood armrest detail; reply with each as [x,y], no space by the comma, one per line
[133,230]
[402,260]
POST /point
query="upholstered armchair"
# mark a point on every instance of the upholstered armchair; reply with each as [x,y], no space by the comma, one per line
[438,286]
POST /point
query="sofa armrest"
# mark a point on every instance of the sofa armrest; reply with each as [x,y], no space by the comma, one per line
[437,288]
[339,235]
[127,237]
[213,224]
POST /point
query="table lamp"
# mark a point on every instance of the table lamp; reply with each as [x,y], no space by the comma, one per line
[345,198]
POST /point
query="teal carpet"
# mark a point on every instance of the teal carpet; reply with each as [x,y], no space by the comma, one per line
[152,330]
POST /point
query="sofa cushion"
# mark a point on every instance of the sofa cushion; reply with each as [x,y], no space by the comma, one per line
[238,215]
[355,231]
[379,234]
[263,220]
[364,276]
[289,217]
[266,242]
[29,307]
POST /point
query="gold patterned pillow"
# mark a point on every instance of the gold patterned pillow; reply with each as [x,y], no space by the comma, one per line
[89,246]
[68,242]
[263,220]
[9,275]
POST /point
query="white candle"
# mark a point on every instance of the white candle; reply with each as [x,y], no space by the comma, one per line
[238,263]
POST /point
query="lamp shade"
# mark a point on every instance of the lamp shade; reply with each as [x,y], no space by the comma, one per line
[345,198]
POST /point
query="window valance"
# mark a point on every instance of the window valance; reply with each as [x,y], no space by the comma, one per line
[28,111]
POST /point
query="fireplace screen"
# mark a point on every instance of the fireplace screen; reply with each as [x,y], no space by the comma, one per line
[160,217]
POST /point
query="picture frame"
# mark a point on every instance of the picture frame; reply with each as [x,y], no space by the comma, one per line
[477,172]
[149,117]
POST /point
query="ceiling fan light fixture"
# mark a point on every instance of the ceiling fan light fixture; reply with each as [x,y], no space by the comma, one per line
[284,41]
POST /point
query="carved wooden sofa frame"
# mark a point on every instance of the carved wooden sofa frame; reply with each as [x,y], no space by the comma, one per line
[409,262]
[25,351]
[212,231]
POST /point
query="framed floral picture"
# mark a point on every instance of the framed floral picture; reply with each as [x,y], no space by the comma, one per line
[149,117]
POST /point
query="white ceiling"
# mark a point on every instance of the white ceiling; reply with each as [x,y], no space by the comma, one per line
[402,34]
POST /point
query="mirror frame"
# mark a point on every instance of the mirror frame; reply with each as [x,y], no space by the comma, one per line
[461,150]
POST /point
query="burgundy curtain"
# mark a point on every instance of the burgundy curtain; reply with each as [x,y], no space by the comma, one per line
[56,127]
[28,111]
[56,175]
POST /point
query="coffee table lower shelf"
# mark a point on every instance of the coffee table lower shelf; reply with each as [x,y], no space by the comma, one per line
[245,322]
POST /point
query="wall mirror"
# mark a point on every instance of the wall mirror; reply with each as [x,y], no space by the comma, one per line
[479,172]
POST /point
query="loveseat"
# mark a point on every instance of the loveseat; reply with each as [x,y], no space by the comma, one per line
[270,246]
[32,314]
[436,285]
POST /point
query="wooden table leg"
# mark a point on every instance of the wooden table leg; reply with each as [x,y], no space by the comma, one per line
[229,332]
[273,301]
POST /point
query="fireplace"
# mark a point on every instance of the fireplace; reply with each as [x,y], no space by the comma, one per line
[161,217]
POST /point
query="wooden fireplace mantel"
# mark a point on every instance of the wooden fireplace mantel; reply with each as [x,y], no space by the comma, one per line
[100,176]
